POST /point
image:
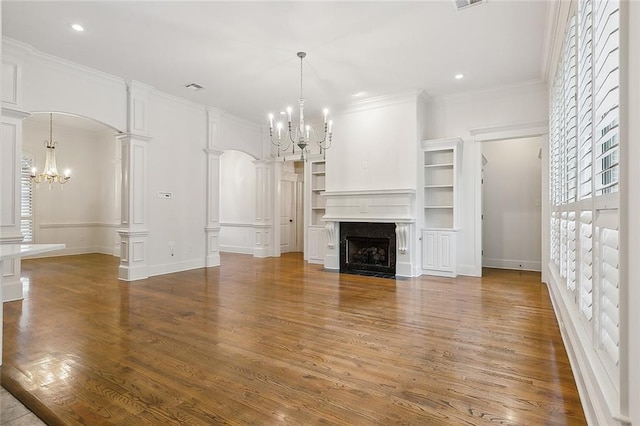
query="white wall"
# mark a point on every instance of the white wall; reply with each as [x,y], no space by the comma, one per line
[374,146]
[512,204]
[176,163]
[456,116]
[237,202]
[84,213]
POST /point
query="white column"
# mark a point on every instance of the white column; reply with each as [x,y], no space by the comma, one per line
[134,232]
[264,226]
[212,227]
[10,170]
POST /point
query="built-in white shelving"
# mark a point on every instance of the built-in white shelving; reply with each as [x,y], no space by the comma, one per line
[440,162]
[316,241]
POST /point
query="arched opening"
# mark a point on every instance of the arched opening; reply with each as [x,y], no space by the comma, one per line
[84,213]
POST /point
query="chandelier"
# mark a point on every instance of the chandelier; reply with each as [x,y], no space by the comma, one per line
[50,173]
[289,135]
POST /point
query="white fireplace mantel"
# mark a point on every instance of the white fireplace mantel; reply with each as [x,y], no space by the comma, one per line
[387,205]
[379,206]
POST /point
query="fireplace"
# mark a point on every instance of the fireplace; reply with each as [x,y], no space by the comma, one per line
[368,248]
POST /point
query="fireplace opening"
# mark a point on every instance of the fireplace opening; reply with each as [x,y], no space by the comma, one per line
[368,251]
[368,248]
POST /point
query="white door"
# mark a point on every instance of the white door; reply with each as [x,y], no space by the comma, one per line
[287,215]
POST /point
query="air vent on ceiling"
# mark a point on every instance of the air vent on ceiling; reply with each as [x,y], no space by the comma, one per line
[194,86]
[463,4]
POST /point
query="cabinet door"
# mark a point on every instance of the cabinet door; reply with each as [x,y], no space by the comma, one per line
[445,248]
[317,244]
[429,250]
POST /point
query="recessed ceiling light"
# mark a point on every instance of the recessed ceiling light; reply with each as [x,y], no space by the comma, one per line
[459,76]
[357,94]
[77,27]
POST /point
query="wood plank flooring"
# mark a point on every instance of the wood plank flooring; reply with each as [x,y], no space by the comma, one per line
[278,341]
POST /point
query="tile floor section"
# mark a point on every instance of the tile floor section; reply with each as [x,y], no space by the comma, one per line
[13,413]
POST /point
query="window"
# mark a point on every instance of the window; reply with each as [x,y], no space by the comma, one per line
[26,199]
[583,178]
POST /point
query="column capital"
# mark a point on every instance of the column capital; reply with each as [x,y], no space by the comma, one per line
[126,136]
[15,113]
[213,152]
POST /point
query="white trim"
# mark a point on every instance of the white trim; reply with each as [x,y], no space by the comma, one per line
[370,192]
[239,225]
[521,265]
[494,92]
[168,268]
[383,101]
[79,225]
[226,248]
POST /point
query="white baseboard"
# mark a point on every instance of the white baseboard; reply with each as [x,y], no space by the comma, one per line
[236,249]
[11,290]
[169,268]
[523,265]
[470,270]
[74,251]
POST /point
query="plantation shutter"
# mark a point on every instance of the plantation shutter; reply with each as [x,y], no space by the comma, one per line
[606,89]
[570,116]
[26,199]
[585,99]
[586,265]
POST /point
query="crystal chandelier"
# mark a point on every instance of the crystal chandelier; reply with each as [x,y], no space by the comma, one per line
[289,135]
[50,173]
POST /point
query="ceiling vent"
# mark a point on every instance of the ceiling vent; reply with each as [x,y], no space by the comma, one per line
[194,86]
[463,4]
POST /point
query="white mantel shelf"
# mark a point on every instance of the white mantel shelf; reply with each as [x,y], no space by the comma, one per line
[12,251]
[370,192]
[379,205]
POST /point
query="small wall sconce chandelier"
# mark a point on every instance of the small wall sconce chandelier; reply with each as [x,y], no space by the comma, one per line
[303,134]
[50,173]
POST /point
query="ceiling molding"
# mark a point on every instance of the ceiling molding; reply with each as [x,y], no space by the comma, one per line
[465,96]
[29,51]
[381,101]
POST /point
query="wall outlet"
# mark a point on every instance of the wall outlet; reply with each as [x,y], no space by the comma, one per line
[172,248]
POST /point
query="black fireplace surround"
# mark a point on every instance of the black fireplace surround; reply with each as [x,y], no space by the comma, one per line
[368,248]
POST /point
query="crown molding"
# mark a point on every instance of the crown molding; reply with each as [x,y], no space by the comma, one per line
[382,101]
[466,96]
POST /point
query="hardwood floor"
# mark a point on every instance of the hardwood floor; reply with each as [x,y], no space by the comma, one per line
[264,341]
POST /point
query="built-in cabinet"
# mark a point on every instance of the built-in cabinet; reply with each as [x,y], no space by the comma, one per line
[316,241]
[441,167]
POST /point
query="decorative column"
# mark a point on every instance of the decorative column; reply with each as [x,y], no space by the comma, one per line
[212,228]
[10,170]
[264,225]
[134,232]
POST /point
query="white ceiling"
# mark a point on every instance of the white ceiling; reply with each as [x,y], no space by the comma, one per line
[244,53]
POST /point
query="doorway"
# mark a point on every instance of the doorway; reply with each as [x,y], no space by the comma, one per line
[291,207]
[511,180]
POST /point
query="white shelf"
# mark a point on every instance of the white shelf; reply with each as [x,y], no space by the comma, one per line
[438,186]
[438,207]
[443,165]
